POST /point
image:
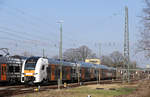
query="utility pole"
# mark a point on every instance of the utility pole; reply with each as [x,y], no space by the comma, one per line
[99,77]
[60,53]
[43,53]
[99,50]
[126,46]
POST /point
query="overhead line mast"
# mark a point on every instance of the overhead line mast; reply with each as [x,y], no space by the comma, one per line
[126,46]
[60,53]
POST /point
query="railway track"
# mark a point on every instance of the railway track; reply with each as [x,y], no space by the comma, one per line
[15,90]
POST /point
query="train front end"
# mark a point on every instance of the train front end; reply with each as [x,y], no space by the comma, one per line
[30,72]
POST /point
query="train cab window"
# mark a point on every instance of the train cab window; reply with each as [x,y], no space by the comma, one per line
[31,63]
[43,67]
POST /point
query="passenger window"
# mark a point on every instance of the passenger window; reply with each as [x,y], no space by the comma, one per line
[95,71]
[17,69]
[11,69]
[42,67]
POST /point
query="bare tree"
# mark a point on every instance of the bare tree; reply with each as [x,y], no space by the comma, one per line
[117,59]
[85,52]
[106,60]
[144,42]
[71,55]
[78,54]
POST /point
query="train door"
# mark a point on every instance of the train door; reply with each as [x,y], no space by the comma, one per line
[68,73]
[3,72]
[53,72]
[83,73]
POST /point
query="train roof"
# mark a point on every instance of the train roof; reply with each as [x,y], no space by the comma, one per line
[112,68]
[103,66]
[64,63]
[100,66]
[19,57]
[3,59]
[81,64]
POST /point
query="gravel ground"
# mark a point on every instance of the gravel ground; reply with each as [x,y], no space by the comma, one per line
[83,91]
[143,90]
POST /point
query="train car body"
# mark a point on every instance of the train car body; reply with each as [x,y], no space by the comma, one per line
[10,69]
[38,70]
[87,71]
[3,69]
[107,72]
[68,70]
[33,70]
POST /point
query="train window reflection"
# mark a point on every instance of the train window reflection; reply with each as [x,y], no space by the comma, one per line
[31,63]
[29,66]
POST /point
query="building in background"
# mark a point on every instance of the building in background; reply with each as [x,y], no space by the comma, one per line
[93,61]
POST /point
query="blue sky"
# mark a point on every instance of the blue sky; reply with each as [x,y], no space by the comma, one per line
[31,25]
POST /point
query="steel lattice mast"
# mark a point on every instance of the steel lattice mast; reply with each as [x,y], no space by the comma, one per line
[126,44]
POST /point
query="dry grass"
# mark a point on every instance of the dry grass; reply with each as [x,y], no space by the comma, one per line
[83,91]
[116,86]
[143,90]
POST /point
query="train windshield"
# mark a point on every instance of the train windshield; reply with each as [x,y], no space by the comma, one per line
[31,63]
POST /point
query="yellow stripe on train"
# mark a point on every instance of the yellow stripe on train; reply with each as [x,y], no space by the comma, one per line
[29,72]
